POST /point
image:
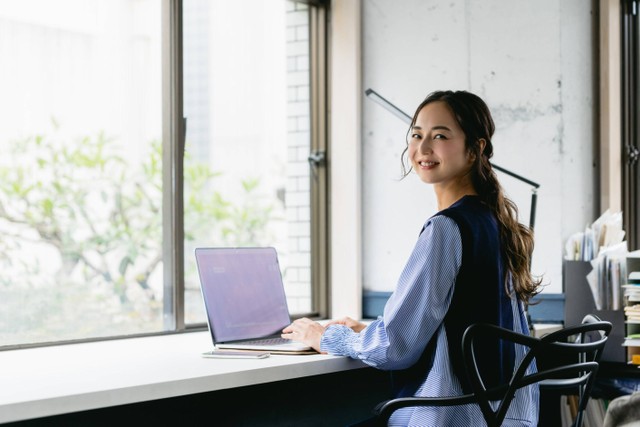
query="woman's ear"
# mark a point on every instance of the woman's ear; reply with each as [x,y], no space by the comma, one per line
[482,143]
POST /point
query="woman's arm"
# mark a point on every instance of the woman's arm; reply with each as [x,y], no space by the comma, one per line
[414,311]
[348,322]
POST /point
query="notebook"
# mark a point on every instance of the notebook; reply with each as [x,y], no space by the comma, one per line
[244,299]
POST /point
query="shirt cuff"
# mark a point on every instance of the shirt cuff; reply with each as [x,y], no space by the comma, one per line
[340,340]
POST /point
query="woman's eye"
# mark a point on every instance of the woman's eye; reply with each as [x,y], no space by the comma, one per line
[439,136]
[415,136]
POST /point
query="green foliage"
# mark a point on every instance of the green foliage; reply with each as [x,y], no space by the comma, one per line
[83,200]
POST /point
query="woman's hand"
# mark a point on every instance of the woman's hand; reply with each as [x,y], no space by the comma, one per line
[306,331]
[348,322]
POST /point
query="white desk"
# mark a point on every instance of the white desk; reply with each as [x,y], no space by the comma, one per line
[56,380]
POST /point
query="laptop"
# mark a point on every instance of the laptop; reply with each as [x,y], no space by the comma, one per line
[244,299]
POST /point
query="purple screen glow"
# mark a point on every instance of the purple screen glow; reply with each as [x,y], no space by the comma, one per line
[243,292]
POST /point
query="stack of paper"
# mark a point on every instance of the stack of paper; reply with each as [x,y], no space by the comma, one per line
[632,340]
[593,415]
[605,232]
[632,310]
[632,289]
[632,313]
[632,295]
[602,243]
[607,276]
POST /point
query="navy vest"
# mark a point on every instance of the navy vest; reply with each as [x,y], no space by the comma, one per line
[479,296]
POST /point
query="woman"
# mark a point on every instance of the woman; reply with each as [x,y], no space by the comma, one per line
[470,264]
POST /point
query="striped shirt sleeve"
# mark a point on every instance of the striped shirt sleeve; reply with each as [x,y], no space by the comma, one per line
[416,309]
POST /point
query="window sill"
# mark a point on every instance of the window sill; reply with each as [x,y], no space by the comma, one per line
[45,381]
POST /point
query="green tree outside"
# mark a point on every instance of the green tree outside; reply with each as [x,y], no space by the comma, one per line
[83,203]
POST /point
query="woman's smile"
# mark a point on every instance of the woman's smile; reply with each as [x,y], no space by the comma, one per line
[427,164]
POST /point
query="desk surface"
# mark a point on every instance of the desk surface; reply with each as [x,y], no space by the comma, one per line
[55,380]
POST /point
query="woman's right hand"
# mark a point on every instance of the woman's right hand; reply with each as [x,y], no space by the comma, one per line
[348,322]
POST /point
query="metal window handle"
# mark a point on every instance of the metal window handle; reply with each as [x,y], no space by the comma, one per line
[316,159]
[632,155]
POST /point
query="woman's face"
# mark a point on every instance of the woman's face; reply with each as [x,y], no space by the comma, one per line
[437,147]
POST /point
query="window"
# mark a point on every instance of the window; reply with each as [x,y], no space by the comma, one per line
[100,206]
[631,119]
[80,167]
[248,179]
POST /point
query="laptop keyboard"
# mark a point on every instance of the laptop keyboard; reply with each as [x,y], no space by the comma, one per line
[268,341]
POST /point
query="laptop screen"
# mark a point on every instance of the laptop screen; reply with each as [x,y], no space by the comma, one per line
[243,292]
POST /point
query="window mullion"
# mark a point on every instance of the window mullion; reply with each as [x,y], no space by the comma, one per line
[319,187]
[173,134]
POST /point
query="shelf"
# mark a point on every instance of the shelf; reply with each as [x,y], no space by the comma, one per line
[632,324]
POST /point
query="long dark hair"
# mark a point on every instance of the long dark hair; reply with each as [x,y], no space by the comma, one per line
[516,239]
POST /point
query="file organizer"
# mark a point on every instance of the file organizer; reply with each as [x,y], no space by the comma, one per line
[578,302]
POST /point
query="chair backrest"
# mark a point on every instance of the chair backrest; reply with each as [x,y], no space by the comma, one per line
[583,355]
[595,334]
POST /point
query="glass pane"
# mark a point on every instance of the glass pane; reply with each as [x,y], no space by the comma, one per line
[246,68]
[80,169]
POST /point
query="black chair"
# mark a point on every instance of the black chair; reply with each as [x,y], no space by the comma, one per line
[583,354]
[590,336]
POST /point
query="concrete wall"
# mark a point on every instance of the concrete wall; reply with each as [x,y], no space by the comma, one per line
[532,62]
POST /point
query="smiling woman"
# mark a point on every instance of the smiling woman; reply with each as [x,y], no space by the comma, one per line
[470,265]
[460,165]
[438,153]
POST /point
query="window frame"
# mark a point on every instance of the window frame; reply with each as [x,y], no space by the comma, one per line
[174,126]
[319,182]
[174,133]
[630,127]
[173,140]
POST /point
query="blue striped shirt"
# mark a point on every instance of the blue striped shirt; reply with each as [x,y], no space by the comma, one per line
[412,316]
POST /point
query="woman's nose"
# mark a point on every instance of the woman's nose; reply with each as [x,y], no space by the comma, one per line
[425,147]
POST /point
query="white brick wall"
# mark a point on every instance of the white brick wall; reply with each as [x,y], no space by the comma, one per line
[297,276]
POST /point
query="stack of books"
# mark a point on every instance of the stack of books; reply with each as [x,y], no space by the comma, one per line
[632,312]
[632,315]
